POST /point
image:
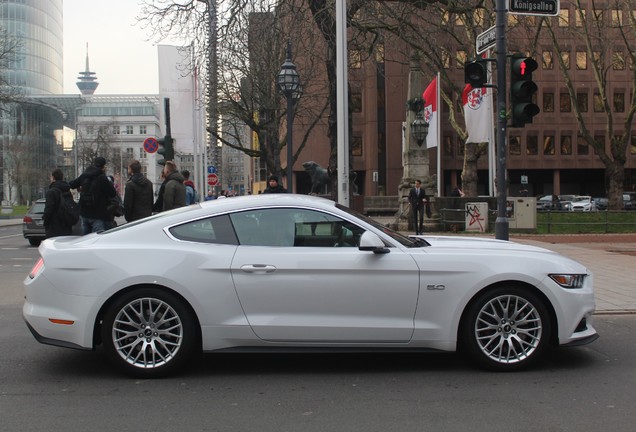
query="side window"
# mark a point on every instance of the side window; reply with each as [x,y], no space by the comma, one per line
[294,227]
[212,230]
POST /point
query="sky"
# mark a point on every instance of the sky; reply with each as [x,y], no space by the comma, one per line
[120,53]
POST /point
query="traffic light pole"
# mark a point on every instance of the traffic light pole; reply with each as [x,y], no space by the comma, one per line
[501,223]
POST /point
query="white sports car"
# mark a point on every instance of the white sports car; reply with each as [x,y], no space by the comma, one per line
[295,272]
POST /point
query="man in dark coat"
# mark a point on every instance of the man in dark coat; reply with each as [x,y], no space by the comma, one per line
[172,193]
[54,225]
[138,194]
[274,186]
[96,191]
[418,200]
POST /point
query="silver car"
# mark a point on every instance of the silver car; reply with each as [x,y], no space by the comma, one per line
[33,225]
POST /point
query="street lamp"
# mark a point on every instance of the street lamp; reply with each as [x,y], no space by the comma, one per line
[419,126]
[289,84]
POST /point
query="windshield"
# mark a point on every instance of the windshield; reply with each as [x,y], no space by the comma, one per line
[402,239]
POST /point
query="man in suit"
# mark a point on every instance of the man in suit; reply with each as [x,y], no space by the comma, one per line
[418,200]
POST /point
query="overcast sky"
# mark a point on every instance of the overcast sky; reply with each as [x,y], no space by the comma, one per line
[119,53]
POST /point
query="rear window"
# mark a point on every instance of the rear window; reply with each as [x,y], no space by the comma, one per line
[38,208]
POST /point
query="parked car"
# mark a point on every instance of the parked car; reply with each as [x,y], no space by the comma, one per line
[548,202]
[297,272]
[33,225]
[601,203]
[566,201]
[629,200]
[583,203]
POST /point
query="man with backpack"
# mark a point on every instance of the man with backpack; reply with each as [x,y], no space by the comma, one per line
[60,214]
[191,193]
[96,193]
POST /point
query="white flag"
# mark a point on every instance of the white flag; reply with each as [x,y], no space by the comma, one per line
[477,113]
[431,113]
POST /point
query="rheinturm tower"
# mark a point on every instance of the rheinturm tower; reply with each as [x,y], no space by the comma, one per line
[87,81]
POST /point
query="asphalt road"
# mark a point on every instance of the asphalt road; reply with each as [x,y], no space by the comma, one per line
[44,388]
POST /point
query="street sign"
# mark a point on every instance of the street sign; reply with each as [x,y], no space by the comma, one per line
[486,40]
[150,145]
[534,7]
[211,169]
[213,179]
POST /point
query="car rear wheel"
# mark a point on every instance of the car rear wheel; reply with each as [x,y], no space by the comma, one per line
[35,242]
[506,329]
[149,333]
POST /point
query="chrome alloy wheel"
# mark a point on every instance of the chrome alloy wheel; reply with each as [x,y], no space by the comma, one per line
[508,329]
[147,333]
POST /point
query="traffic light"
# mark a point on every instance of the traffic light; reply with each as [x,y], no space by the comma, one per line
[166,149]
[476,73]
[521,89]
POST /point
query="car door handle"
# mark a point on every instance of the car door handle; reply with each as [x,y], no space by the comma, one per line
[258,268]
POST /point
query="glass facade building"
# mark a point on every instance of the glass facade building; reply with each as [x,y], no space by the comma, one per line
[29,128]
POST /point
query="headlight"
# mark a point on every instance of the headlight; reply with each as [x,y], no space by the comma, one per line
[570,281]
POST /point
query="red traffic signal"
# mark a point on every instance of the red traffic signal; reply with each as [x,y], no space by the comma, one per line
[522,89]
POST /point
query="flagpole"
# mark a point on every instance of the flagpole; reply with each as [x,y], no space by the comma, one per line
[439,130]
[491,134]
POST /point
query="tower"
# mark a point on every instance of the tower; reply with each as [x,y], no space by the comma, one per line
[87,81]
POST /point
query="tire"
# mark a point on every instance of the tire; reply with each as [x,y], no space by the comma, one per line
[506,329]
[35,242]
[149,333]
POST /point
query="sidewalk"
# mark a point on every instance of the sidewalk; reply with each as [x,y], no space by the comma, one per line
[611,257]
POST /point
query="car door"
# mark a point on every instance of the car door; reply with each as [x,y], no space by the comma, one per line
[300,276]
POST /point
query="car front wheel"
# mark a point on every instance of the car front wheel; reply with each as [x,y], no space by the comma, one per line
[506,329]
[149,333]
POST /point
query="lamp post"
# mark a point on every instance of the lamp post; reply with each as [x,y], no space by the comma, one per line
[419,126]
[289,84]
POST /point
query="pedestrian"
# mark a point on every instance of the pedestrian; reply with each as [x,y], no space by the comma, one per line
[137,194]
[191,193]
[54,224]
[96,191]
[210,195]
[115,206]
[274,186]
[457,192]
[172,193]
[418,199]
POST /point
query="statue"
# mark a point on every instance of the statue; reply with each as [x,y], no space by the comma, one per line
[319,176]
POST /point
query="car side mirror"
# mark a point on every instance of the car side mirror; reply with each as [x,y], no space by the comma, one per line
[371,242]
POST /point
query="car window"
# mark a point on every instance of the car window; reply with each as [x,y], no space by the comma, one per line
[294,227]
[38,208]
[216,229]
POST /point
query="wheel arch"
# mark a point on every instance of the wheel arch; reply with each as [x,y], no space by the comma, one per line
[97,339]
[554,336]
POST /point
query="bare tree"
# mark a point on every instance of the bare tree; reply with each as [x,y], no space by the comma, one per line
[593,27]
[9,52]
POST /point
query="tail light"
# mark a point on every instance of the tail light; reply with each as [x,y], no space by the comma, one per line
[27,219]
[37,268]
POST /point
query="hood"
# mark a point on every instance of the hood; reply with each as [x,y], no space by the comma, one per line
[61,185]
[189,183]
[479,243]
[175,175]
[139,179]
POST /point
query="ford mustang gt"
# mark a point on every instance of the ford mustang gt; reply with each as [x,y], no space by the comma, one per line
[285,272]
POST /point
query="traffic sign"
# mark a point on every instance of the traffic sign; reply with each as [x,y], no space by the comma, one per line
[213,179]
[486,40]
[150,145]
[534,7]
[211,169]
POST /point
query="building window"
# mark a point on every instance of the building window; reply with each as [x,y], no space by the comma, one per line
[130,153]
[619,102]
[582,102]
[116,130]
[580,17]
[566,145]
[143,130]
[565,103]
[90,130]
[548,62]
[448,145]
[356,100]
[598,103]
[446,59]
[514,146]
[632,147]
[617,18]
[600,139]
[461,147]
[548,102]
[356,145]
[564,18]
[142,154]
[129,130]
[581,60]
[618,60]
[532,145]
[355,59]
[548,145]
[581,146]
[460,59]
[565,56]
